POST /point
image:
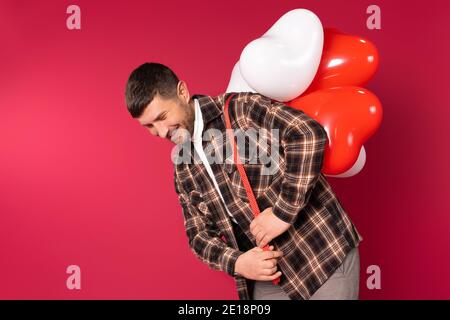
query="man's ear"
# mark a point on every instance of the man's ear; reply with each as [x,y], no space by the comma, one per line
[182,91]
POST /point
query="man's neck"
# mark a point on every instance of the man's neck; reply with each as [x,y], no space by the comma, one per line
[192,105]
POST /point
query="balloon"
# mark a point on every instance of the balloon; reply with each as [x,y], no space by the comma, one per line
[350,116]
[346,60]
[283,62]
[296,59]
[237,83]
[356,168]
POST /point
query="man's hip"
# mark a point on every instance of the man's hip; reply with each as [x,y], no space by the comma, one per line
[343,284]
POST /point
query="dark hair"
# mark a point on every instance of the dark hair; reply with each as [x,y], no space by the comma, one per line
[145,82]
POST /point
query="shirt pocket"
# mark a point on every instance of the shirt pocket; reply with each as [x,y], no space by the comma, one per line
[197,202]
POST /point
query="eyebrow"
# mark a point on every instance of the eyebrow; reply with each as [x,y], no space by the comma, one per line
[157,118]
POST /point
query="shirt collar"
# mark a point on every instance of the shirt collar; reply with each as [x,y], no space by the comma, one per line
[198,123]
[211,107]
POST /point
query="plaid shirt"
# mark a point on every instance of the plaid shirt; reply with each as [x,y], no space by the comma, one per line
[321,233]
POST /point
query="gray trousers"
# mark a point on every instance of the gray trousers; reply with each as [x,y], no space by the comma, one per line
[342,285]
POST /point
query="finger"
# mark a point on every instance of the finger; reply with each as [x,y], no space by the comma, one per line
[268,264]
[257,249]
[271,277]
[262,245]
[268,271]
[271,271]
[265,240]
[259,236]
[271,254]
[256,230]
[271,247]
[252,225]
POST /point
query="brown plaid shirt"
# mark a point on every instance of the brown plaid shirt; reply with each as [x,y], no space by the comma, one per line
[321,233]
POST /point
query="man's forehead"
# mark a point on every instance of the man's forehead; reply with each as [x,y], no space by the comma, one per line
[152,110]
[146,116]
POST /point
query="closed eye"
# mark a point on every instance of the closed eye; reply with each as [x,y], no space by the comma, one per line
[161,116]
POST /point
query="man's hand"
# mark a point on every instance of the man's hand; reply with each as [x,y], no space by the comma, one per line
[267,226]
[257,264]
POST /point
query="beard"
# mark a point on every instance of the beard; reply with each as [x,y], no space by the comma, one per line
[189,118]
[186,127]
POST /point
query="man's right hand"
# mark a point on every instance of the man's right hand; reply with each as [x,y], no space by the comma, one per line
[257,264]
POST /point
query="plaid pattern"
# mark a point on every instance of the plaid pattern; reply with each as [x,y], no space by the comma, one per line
[321,234]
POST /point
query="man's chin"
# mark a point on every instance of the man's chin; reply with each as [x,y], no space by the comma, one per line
[179,140]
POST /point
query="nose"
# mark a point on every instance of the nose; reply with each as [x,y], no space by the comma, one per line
[153,131]
[161,130]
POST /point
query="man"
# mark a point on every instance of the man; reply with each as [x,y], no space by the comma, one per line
[313,244]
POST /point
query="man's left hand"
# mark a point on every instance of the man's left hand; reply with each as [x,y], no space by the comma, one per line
[267,226]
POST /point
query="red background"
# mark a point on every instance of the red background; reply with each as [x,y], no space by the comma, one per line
[81,183]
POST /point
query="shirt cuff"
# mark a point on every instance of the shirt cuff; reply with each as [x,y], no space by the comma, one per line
[229,261]
[286,211]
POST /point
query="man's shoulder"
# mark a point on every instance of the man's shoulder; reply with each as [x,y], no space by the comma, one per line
[244,96]
[239,96]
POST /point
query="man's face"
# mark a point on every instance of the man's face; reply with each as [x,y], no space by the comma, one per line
[172,119]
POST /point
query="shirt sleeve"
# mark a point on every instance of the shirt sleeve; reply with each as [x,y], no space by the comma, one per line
[204,237]
[303,141]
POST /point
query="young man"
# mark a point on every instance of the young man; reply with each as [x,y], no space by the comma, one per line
[313,244]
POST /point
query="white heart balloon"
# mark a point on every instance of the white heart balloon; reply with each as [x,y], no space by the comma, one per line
[356,168]
[237,83]
[283,62]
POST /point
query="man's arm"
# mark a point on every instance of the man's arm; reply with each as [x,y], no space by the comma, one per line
[303,140]
[203,235]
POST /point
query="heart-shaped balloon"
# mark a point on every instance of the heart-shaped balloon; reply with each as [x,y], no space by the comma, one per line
[355,169]
[346,61]
[283,62]
[350,116]
[237,82]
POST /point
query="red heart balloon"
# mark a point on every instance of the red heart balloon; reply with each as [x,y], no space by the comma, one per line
[350,116]
[346,61]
